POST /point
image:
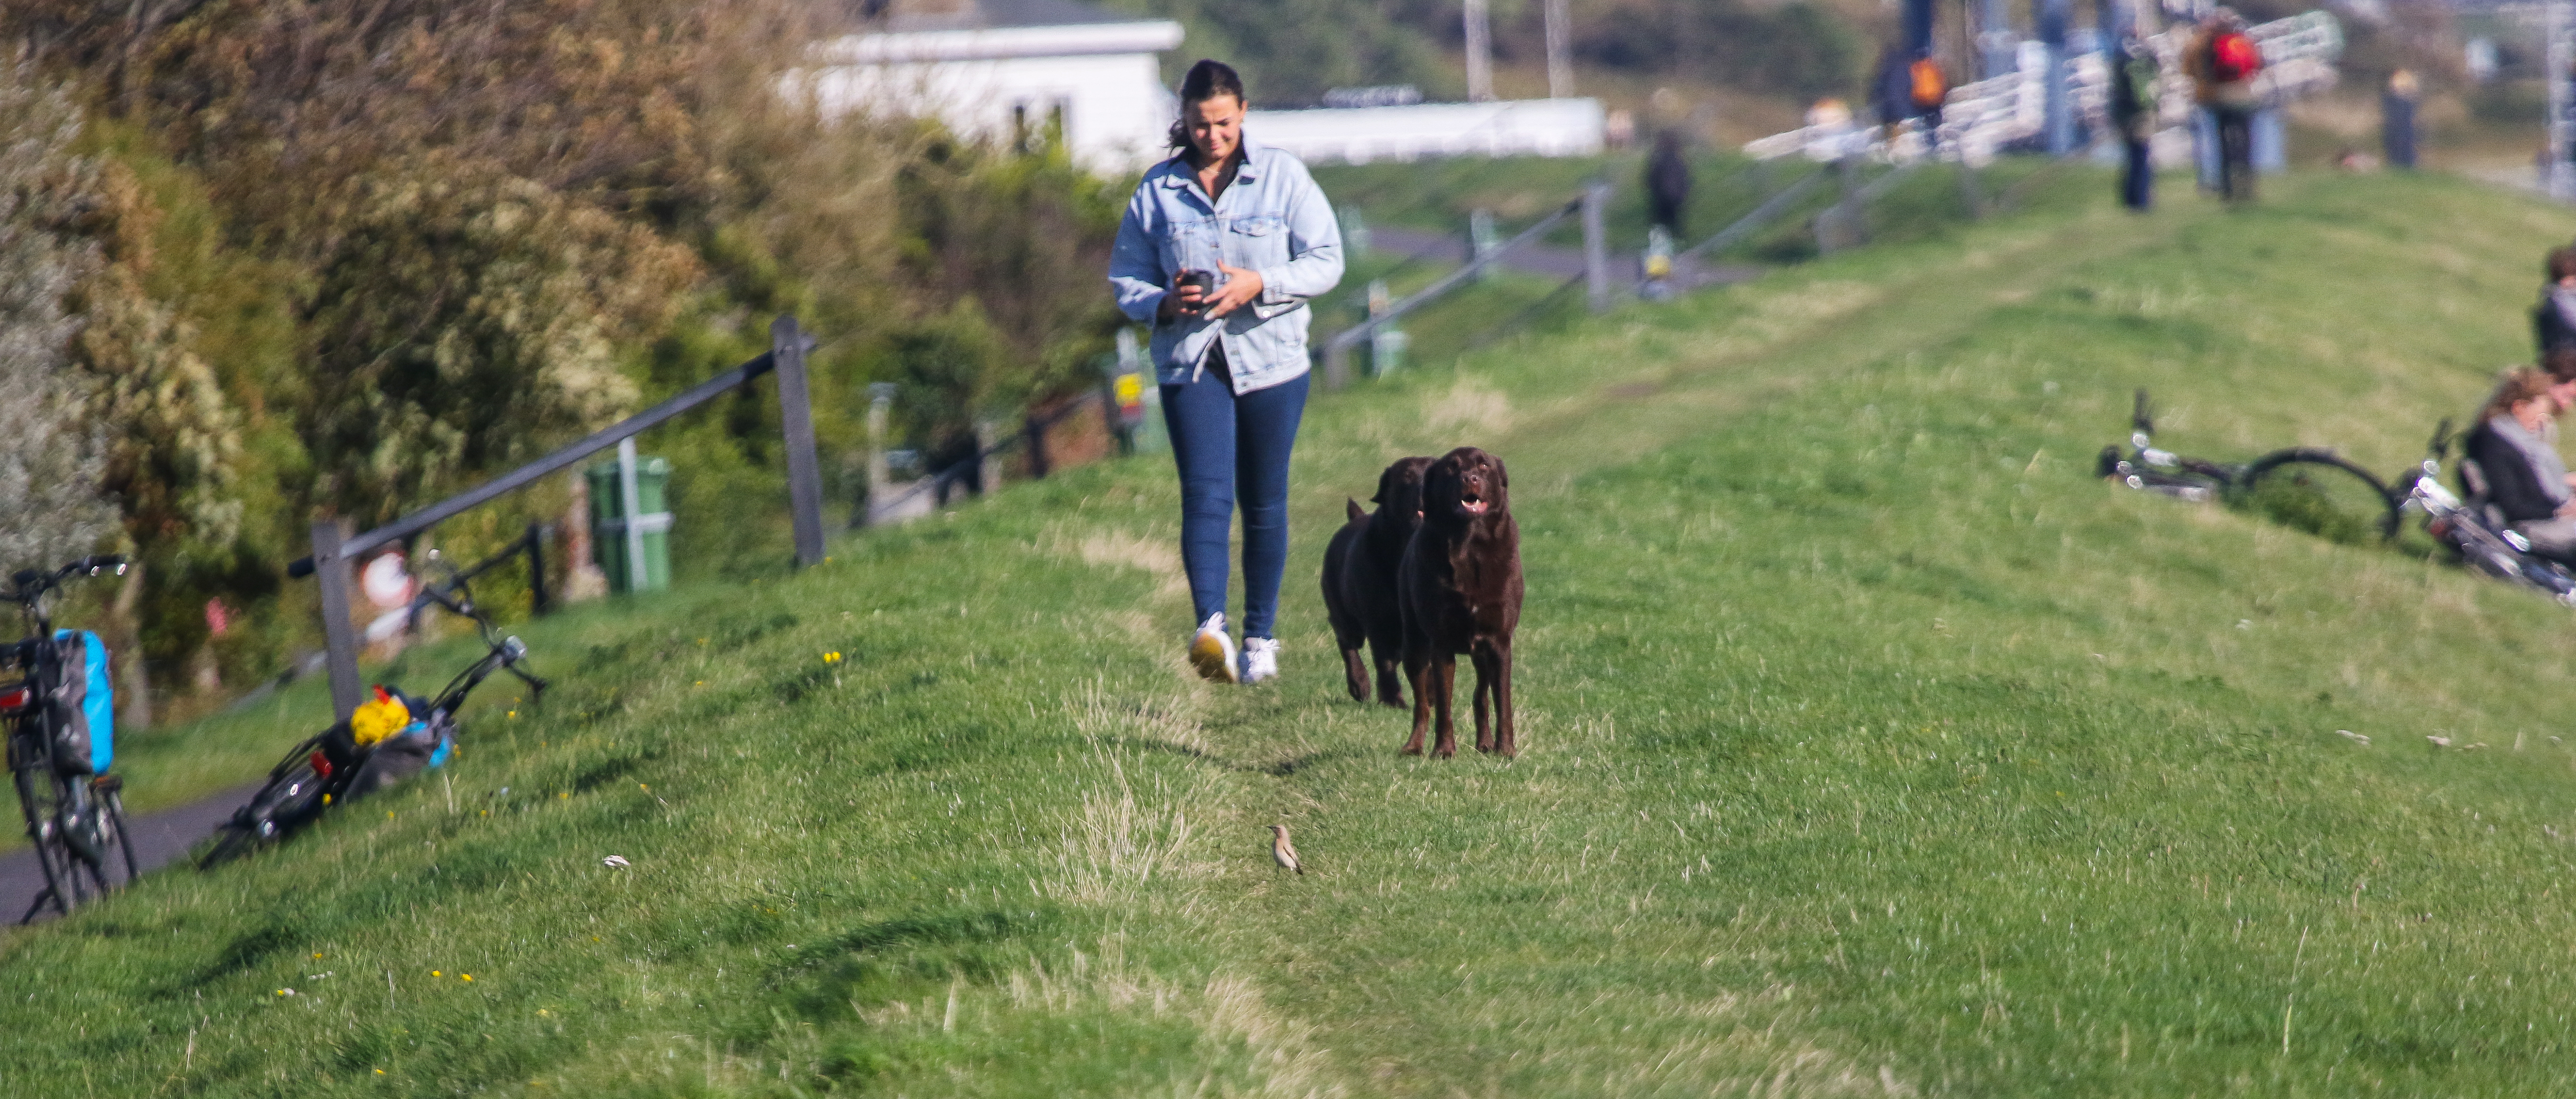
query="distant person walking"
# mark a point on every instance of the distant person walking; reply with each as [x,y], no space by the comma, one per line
[2134,107]
[1220,248]
[1892,95]
[2397,118]
[1668,183]
[2222,61]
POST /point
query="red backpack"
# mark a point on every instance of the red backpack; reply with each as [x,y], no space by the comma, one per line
[2234,57]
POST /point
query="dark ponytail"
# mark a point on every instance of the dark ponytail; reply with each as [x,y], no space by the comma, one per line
[1207,80]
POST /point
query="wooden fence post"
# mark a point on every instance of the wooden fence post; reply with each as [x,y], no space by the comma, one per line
[1596,245]
[880,406]
[988,465]
[1033,430]
[538,604]
[340,636]
[796,413]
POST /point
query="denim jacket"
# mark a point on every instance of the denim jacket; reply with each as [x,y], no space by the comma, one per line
[1273,220]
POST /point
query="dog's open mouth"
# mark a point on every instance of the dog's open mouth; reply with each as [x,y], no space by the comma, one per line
[1472,501]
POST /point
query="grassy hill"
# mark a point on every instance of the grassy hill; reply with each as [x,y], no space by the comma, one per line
[1870,748]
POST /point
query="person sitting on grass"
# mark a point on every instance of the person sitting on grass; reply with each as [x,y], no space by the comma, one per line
[2526,479]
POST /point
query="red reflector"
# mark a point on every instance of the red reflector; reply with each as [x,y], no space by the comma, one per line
[321,764]
[15,698]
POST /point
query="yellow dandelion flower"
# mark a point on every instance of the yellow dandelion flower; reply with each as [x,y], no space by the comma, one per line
[467,976]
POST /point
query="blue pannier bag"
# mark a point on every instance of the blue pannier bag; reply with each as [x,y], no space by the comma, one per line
[84,706]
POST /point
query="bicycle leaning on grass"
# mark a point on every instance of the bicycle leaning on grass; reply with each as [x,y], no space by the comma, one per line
[336,766]
[2310,488]
[2470,529]
[61,740]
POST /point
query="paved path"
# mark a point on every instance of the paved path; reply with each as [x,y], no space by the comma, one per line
[158,838]
[1553,261]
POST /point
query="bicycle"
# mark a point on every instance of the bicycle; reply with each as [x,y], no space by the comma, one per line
[2309,488]
[2482,543]
[75,811]
[331,767]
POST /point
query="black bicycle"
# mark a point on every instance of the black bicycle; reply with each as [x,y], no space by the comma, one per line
[2477,534]
[56,715]
[332,767]
[2312,489]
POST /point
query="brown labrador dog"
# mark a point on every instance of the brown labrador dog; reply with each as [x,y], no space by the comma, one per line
[1359,580]
[1461,589]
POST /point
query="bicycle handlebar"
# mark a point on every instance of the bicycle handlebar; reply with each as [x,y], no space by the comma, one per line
[31,583]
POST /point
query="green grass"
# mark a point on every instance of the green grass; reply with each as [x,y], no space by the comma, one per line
[1870,747]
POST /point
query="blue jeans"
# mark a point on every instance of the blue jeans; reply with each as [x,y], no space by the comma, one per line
[1234,448]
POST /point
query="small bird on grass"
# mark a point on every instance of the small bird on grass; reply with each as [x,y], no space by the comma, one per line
[1282,850]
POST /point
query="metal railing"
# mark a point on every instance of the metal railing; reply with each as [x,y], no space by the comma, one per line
[1983,118]
[1596,273]
[335,549]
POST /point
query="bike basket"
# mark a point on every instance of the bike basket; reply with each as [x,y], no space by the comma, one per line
[84,705]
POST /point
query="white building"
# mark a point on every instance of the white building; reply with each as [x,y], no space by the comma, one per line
[1358,135]
[1009,70]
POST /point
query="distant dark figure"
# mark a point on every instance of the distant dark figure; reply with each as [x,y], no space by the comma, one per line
[1668,183]
[2134,107]
[2553,321]
[2397,118]
[1892,94]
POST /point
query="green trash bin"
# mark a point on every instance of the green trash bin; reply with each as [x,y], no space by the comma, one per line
[608,524]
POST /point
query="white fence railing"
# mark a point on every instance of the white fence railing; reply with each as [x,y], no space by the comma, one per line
[1980,119]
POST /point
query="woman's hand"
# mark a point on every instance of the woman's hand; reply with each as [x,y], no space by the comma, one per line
[1181,301]
[1241,286]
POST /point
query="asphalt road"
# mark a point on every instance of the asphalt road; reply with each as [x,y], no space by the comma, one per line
[158,839]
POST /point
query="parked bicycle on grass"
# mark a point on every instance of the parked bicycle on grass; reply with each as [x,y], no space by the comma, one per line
[2309,488]
[2470,526]
[60,721]
[390,738]
[2320,492]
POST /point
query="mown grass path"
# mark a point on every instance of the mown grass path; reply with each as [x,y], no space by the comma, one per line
[1870,748]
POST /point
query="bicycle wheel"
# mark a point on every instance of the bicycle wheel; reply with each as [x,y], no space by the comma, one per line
[231,841]
[83,868]
[36,804]
[2322,494]
[114,801]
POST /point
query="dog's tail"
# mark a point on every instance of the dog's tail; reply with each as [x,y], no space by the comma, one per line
[1356,513]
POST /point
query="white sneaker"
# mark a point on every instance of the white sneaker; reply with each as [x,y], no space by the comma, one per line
[1212,652]
[1260,659]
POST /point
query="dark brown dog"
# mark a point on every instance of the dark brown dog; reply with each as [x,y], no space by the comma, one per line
[1359,579]
[1461,590]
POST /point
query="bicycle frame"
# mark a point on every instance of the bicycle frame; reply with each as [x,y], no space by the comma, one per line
[304,783]
[2499,553]
[70,821]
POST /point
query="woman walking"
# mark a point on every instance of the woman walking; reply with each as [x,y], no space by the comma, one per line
[1221,246]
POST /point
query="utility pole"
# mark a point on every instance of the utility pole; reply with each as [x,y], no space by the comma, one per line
[1996,43]
[2054,15]
[2559,176]
[1480,53]
[1560,38]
